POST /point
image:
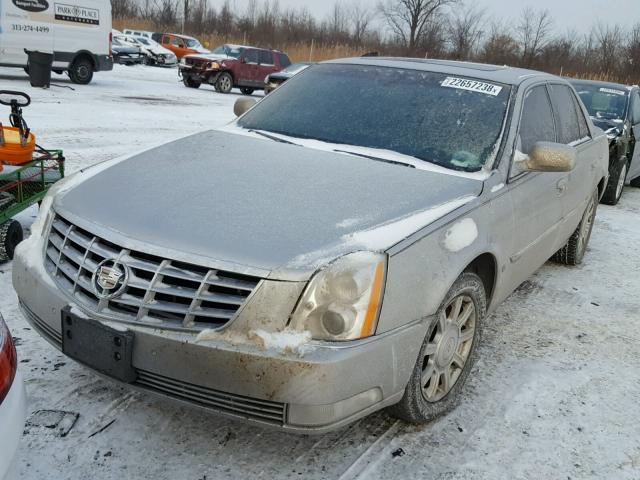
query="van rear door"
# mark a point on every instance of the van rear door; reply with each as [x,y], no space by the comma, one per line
[25,25]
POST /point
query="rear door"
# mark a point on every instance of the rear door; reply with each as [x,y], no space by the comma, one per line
[536,196]
[25,25]
[571,127]
[267,66]
[634,169]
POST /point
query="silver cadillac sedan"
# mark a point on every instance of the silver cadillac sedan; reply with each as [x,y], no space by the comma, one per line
[333,251]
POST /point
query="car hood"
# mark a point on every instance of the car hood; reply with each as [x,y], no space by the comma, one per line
[261,206]
[208,56]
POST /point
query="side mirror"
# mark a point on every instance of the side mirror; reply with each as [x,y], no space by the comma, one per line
[242,105]
[549,157]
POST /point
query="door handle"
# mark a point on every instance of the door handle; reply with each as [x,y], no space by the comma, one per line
[561,186]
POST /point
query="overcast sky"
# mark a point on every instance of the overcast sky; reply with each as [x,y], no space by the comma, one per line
[579,15]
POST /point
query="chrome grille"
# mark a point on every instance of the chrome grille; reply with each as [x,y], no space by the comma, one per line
[159,292]
[229,403]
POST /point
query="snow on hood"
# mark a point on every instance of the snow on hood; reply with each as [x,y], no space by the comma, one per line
[259,206]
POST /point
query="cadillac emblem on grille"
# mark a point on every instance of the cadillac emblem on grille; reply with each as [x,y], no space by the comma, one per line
[110,279]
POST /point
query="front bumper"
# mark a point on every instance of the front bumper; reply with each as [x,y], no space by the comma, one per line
[13,411]
[327,387]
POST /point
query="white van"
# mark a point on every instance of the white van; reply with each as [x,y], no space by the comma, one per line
[77,32]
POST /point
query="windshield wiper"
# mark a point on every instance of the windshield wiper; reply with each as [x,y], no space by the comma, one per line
[272,137]
[378,159]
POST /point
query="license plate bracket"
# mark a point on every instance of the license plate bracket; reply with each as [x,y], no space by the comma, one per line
[102,348]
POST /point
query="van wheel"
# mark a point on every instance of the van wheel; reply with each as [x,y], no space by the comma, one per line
[11,235]
[573,251]
[59,72]
[81,71]
[447,354]
[246,91]
[224,83]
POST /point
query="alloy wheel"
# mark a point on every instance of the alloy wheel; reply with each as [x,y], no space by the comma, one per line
[449,346]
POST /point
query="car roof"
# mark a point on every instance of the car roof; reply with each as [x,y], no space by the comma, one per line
[599,83]
[496,73]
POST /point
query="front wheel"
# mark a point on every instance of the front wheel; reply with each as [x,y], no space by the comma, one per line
[81,71]
[573,251]
[246,90]
[447,354]
[190,82]
[224,83]
[11,235]
[615,186]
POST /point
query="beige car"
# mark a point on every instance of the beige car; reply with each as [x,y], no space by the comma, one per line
[334,251]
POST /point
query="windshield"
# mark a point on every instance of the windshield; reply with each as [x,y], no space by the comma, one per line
[295,68]
[192,43]
[234,52]
[143,41]
[434,117]
[606,102]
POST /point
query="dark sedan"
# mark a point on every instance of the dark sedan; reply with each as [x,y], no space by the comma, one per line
[615,109]
[274,80]
[125,53]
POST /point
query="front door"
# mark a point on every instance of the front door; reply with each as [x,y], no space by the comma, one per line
[634,168]
[248,69]
[536,196]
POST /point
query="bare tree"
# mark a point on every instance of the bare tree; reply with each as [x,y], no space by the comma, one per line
[409,19]
[361,17]
[608,46]
[500,47]
[465,31]
[533,31]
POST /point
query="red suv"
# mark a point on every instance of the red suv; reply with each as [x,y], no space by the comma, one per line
[232,66]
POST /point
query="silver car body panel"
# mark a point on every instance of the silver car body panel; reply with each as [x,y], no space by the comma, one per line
[253,206]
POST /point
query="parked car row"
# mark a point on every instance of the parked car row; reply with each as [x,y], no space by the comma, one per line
[339,258]
[615,108]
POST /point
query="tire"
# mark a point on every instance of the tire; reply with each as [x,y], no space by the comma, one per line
[573,251]
[11,235]
[81,71]
[246,90]
[453,351]
[224,84]
[190,82]
[26,70]
[59,72]
[635,182]
[615,186]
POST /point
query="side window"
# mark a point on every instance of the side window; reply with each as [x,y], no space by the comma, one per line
[251,56]
[284,61]
[165,40]
[582,120]
[266,58]
[536,122]
[635,116]
[566,115]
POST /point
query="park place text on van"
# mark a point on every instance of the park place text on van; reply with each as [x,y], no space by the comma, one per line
[77,32]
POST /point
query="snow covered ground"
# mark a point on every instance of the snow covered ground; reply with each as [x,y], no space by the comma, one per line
[554,394]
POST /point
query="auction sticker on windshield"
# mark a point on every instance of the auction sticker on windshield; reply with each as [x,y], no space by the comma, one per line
[472,85]
[613,91]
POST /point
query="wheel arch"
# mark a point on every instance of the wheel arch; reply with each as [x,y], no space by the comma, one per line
[485,266]
[84,54]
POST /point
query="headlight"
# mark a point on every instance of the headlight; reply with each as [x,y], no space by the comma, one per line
[342,302]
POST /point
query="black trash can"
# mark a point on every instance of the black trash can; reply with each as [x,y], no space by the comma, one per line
[39,67]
